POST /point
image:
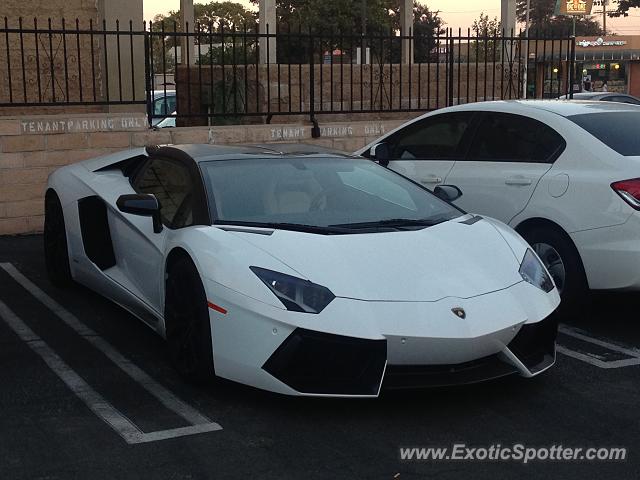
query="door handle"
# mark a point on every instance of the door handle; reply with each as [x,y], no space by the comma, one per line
[519,181]
[431,179]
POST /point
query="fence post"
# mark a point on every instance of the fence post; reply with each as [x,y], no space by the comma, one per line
[451,65]
[315,130]
[572,66]
[147,74]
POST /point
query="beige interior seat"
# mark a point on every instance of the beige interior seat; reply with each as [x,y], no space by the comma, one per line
[286,196]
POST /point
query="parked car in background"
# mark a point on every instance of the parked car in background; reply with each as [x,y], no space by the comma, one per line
[167,122]
[164,103]
[604,97]
[565,175]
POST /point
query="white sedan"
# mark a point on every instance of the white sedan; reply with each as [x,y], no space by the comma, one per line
[303,274]
[565,175]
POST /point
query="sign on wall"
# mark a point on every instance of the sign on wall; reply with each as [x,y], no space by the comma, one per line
[601,42]
[574,7]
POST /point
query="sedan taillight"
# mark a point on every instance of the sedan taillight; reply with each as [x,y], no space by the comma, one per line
[629,190]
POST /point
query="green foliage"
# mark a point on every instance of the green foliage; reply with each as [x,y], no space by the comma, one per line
[544,22]
[427,25]
[337,15]
[225,15]
[484,27]
[229,99]
[230,55]
[214,14]
[623,7]
[381,17]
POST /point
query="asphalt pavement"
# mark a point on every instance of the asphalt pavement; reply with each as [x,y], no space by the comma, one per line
[77,371]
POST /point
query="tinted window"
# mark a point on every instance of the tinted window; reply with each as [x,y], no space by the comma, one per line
[165,105]
[617,130]
[503,137]
[438,137]
[316,191]
[171,184]
[622,99]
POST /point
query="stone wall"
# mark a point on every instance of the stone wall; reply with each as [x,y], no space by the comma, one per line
[45,64]
[264,89]
[43,53]
[33,147]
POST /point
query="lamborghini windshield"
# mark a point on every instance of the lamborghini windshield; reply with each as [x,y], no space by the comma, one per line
[321,193]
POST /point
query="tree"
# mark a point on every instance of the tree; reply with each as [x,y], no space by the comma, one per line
[213,17]
[427,25]
[214,14]
[543,21]
[225,14]
[484,28]
[623,7]
[346,27]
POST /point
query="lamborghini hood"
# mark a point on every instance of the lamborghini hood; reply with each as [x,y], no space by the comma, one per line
[452,259]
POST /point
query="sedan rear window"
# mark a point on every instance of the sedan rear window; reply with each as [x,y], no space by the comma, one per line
[617,130]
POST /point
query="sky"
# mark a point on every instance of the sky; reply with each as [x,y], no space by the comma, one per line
[460,14]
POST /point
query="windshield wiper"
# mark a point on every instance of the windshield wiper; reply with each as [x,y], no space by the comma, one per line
[395,223]
[295,227]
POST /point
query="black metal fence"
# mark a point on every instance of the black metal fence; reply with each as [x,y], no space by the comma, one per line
[235,75]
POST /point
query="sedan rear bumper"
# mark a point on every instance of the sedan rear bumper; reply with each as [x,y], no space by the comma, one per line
[611,256]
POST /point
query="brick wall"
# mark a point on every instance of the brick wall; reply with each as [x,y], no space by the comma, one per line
[33,147]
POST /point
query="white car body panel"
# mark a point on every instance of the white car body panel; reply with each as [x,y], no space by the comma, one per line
[400,286]
[377,267]
[574,192]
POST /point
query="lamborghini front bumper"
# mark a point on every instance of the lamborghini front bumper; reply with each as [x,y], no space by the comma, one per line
[356,347]
[325,364]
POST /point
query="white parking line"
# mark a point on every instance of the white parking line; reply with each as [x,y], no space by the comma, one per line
[101,407]
[596,361]
[593,359]
[200,423]
[579,334]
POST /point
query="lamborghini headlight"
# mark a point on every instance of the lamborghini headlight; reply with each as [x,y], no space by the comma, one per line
[533,271]
[296,294]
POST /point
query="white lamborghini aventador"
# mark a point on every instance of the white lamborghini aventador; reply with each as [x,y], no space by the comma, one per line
[301,273]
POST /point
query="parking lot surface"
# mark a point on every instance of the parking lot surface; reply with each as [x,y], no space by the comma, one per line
[88,392]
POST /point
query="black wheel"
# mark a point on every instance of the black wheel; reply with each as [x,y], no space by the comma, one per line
[561,258]
[188,327]
[56,253]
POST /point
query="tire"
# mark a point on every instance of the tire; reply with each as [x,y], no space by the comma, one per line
[188,327]
[557,252]
[56,253]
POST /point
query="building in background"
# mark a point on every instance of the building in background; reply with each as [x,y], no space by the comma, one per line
[613,59]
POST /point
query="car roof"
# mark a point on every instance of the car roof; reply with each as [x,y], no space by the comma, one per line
[586,96]
[161,93]
[564,108]
[206,153]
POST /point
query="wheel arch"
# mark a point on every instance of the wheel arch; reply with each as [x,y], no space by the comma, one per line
[538,222]
[534,222]
[176,253]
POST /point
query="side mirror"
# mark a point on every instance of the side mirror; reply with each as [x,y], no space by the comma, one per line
[448,193]
[144,205]
[381,153]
